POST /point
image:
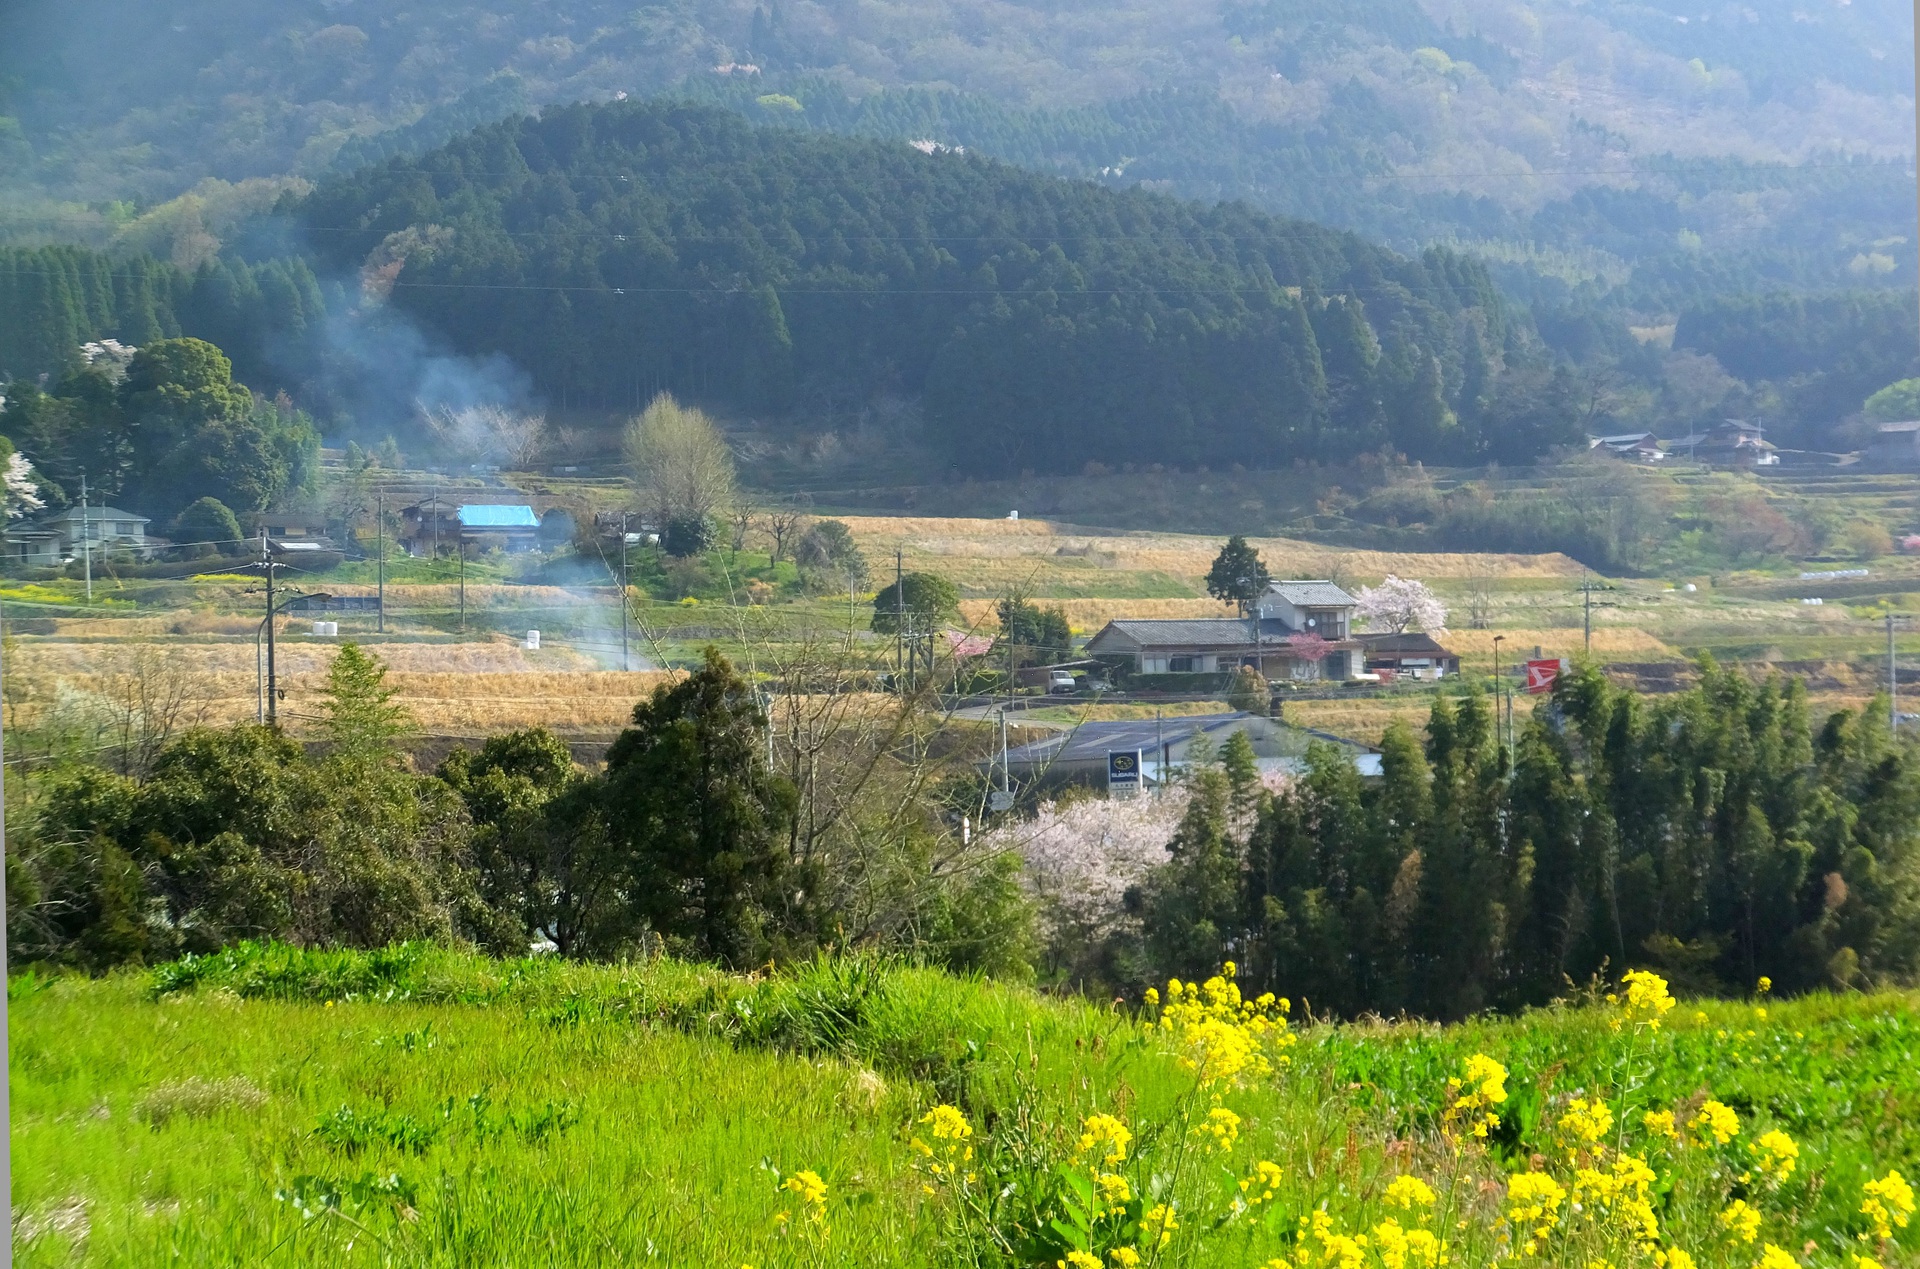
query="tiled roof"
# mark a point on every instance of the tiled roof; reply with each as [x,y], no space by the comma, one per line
[1411,643]
[488,515]
[1220,632]
[1094,739]
[94,515]
[1312,594]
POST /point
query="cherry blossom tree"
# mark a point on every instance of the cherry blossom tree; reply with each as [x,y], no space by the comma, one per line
[1083,855]
[1399,604]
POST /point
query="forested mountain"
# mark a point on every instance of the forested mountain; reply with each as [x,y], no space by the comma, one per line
[618,250]
[265,315]
[1659,150]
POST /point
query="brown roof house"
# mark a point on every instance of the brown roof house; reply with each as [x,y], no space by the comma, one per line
[1414,654]
[1300,630]
[1734,443]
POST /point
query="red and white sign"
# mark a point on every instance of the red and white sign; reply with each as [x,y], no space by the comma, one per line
[1541,674]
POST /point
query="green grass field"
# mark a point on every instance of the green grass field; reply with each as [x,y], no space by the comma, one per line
[422,1107]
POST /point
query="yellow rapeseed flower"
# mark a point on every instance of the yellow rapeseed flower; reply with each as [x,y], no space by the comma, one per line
[1717,1119]
[1224,1126]
[1124,1257]
[1113,1188]
[1740,1220]
[1223,1037]
[1078,1260]
[808,1185]
[1159,1223]
[1659,1123]
[1409,1192]
[1586,1122]
[1889,1204]
[948,1123]
[1104,1138]
[1265,1179]
[1471,1098]
[1533,1207]
[1673,1258]
[1766,984]
[1647,999]
[1772,1257]
[1776,1154]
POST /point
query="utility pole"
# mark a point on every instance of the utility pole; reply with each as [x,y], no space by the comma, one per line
[380,530]
[1586,593]
[463,587]
[899,617]
[273,694]
[1497,641]
[86,536]
[1893,684]
[626,661]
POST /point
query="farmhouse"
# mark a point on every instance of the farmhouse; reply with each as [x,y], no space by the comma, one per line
[435,524]
[1734,443]
[1300,630]
[1414,654]
[1634,447]
[1165,746]
[58,536]
[1895,447]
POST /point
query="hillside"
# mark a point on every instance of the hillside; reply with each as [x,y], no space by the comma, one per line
[422,1107]
[1590,145]
[619,250]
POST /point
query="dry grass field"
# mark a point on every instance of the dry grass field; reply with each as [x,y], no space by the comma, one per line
[66,662]
[472,688]
[989,556]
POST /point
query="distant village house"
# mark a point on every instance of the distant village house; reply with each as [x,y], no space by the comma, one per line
[1301,630]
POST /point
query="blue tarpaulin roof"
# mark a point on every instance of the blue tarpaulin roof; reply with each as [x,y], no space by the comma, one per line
[498,516]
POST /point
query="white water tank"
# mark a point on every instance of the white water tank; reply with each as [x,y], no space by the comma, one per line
[533,640]
[326,629]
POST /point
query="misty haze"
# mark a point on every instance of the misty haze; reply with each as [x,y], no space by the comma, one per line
[772,634]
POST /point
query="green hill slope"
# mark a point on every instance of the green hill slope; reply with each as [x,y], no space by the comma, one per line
[422,1107]
[618,250]
[1581,139]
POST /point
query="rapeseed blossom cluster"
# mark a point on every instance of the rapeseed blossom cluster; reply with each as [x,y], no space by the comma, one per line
[1718,1120]
[1618,1199]
[1225,1039]
[1105,1139]
[1223,1126]
[1647,999]
[1533,1208]
[812,1193]
[1470,1100]
[1889,1204]
[949,1156]
[1740,1220]
[1585,1123]
[1775,1155]
[1263,1184]
[1409,1192]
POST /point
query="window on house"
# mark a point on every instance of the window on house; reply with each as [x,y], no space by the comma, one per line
[1180,665]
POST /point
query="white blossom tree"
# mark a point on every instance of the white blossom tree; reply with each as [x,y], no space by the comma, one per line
[1083,855]
[1399,604]
[22,495]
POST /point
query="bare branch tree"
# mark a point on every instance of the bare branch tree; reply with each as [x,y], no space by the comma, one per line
[785,521]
